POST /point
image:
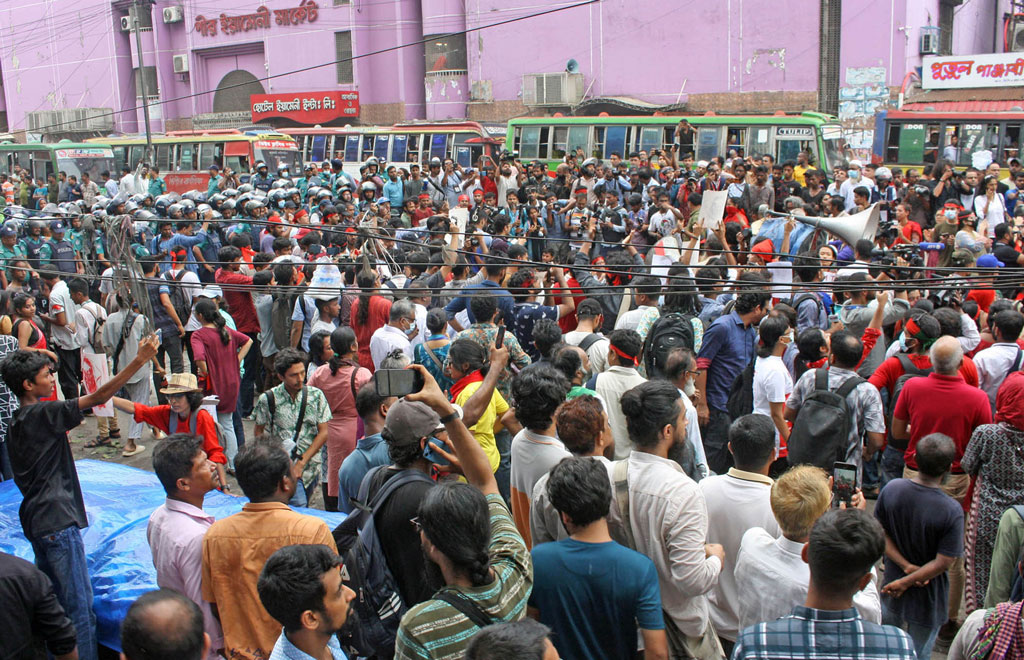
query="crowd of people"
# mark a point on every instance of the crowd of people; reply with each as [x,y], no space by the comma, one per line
[567,412]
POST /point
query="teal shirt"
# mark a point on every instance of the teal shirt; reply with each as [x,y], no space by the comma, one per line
[212,185]
[157,187]
[77,239]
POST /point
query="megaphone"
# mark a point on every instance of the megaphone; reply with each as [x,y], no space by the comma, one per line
[572,66]
[849,228]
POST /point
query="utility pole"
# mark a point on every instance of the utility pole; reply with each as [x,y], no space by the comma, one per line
[142,80]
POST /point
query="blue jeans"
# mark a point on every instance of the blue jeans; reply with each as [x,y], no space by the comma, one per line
[61,556]
[922,636]
[891,464]
[247,388]
[300,498]
[503,475]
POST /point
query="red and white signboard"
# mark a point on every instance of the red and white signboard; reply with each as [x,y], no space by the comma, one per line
[276,144]
[305,107]
[964,71]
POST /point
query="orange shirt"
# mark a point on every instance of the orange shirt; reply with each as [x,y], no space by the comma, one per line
[234,552]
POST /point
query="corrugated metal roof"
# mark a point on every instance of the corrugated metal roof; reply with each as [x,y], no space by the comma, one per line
[966,106]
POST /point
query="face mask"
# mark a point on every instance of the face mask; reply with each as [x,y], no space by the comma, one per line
[411,332]
[689,388]
[903,342]
[853,174]
[950,214]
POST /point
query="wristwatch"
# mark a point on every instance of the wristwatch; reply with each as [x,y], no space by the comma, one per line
[455,414]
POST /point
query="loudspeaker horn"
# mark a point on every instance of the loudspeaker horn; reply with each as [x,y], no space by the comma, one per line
[850,228]
[572,66]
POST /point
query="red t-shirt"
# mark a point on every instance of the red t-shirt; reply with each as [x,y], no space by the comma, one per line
[890,370]
[984,297]
[908,232]
[380,308]
[160,417]
[221,364]
[941,404]
[239,301]
[569,322]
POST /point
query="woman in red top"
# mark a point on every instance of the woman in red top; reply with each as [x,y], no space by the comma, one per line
[184,400]
[910,231]
[369,313]
[28,334]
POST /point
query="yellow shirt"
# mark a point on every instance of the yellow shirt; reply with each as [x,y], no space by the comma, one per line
[798,174]
[483,430]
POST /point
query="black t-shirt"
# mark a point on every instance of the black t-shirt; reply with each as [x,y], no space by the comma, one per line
[44,469]
[32,615]
[399,538]
[1007,254]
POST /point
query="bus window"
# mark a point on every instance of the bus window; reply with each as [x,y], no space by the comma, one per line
[463,156]
[759,140]
[413,148]
[210,153]
[136,154]
[380,147]
[615,141]
[352,148]
[892,143]
[163,156]
[558,141]
[439,146]
[529,144]
[668,137]
[788,149]
[545,138]
[578,138]
[368,142]
[41,165]
[317,148]
[186,157]
[931,144]
[1011,142]
[736,138]
[236,163]
[119,160]
[399,148]
[650,139]
[978,143]
[707,142]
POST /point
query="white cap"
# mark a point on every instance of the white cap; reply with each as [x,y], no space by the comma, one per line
[211,291]
[883,172]
[856,163]
[702,163]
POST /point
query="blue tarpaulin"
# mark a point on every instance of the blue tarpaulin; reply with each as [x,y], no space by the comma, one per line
[119,500]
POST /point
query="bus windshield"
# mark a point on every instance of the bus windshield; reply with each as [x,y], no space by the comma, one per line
[277,159]
[92,160]
[835,146]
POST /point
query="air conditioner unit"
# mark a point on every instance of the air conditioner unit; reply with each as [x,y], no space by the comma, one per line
[173,15]
[1015,40]
[126,24]
[552,89]
[929,42]
[180,63]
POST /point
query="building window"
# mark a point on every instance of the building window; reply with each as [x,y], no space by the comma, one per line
[446,52]
[338,3]
[152,89]
[343,55]
[945,28]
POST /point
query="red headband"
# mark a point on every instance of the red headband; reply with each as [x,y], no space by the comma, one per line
[622,354]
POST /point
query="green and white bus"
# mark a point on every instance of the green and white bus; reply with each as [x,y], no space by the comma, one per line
[781,135]
[69,157]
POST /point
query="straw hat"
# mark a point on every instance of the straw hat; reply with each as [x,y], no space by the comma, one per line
[181,384]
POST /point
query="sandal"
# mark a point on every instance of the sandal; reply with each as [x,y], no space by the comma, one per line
[138,450]
[100,441]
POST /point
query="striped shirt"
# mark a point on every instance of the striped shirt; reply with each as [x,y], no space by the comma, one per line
[437,631]
[810,634]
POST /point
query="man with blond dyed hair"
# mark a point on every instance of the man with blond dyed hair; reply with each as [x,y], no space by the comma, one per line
[773,567]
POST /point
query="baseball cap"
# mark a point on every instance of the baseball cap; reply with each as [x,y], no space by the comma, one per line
[214,167]
[383,200]
[989,261]
[408,421]
[211,291]
[57,226]
[961,258]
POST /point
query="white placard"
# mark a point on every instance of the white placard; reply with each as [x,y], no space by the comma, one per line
[94,375]
[781,273]
[712,208]
[460,217]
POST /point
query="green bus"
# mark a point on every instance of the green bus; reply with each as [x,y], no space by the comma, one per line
[65,156]
[781,135]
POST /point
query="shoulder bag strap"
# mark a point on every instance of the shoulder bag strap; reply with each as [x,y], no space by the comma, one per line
[849,386]
[172,422]
[433,358]
[621,475]
[821,379]
[1016,364]
[126,329]
[589,341]
[352,381]
[299,419]
[464,605]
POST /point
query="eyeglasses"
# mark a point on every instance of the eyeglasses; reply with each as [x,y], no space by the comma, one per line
[416,524]
[692,373]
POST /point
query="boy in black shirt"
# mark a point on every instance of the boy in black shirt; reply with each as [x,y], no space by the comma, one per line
[52,511]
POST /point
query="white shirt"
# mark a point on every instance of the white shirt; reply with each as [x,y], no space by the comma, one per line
[996,212]
[857,266]
[772,384]
[700,459]
[611,385]
[736,502]
[421,325]
[669,521]
[63,337]
[386,339]
[773,570]
[127,184]
[545,522]
[631,319]
[597,352]
[993,365]
[85,324]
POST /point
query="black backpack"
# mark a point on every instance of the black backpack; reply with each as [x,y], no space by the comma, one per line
[180,298]
[910,370]
[821,431]
[378,606]
[669,331]
[741,393]
[804,297]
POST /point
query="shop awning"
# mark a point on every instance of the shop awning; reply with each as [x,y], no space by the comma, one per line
[988,99]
